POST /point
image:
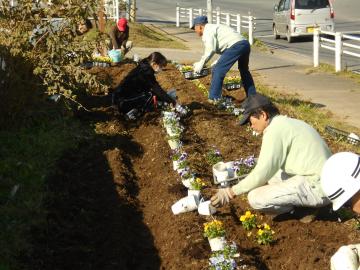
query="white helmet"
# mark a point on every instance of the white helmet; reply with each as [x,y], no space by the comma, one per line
[340,177]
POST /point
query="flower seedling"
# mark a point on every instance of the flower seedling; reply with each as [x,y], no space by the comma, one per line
[176,129]
[214,229]
[172,121]
[264,235]
[224,259]
[220,262]
[248,220]
[185,174]
[186,68]
[178,156]
[244,166]
[197,184]
[232,79]
[174,137]
[213,157]
[182,110]
[102,59]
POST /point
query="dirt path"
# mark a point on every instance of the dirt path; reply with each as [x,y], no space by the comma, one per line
[110,203]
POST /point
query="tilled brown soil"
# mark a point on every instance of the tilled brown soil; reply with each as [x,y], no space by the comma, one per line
[110,203]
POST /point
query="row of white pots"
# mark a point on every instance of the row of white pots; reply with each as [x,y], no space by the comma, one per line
[193,200]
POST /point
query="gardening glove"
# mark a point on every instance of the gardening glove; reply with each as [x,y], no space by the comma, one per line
[222,197]
[198,67]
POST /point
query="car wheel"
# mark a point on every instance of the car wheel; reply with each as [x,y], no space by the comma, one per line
[288,36]
[276,35]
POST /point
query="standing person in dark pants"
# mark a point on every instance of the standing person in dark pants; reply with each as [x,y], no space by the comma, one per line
[137,90]
[119,35]
[232,47]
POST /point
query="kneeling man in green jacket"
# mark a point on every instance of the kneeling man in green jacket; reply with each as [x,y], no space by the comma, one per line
[288,169]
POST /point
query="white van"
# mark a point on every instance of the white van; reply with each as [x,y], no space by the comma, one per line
[293,18]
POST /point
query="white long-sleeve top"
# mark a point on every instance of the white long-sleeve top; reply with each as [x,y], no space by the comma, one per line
[292,146]
[216,39]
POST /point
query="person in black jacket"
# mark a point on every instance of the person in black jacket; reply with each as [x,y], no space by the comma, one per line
[137,90]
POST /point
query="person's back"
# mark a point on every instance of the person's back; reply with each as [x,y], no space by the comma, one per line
[138,81]
[305,152]
[225,35]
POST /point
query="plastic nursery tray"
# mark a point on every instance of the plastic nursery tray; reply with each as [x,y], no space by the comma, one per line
[232,86]
[192,75]
[340,134]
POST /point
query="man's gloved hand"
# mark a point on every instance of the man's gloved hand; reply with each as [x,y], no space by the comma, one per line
[222,197]
[197,67]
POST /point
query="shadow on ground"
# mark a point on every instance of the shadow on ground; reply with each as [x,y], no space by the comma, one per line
[93,216]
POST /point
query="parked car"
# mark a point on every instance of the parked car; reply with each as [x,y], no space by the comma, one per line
[294,18]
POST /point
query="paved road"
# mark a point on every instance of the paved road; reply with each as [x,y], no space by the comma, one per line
[346,19]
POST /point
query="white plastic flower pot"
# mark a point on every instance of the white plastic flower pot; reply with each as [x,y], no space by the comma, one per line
[220,172]
[171,131]
[184,205]
[217,243]
[196,194]
[174,144]
[187,182]
[205,208]
[169,114]
[175,165]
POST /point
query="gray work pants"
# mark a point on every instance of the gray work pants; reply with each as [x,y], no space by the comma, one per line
[284,192]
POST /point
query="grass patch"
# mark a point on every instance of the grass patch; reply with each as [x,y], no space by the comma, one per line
[143,36]
[296,107]
[313,114]
[28,156]
[326,68]
[257,42]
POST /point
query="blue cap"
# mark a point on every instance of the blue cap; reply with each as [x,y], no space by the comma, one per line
[199,20]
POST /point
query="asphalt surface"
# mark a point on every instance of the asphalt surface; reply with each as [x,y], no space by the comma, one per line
[346,19]
[281,69]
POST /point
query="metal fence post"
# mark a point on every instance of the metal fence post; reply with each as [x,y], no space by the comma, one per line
[200,12]
[238,23]
[117,10]
[251,39]
[177,16]
[228,19]
[217,15]
[338,51]
[190,17]
[209,10]
[316,47]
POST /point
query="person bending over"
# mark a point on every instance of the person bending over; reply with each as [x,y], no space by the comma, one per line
[232,47]
[138,89]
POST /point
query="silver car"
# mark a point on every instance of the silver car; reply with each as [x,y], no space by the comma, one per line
[293,18]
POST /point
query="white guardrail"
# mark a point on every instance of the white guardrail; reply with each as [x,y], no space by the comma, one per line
[337,45]
[113,8]
[236,21]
